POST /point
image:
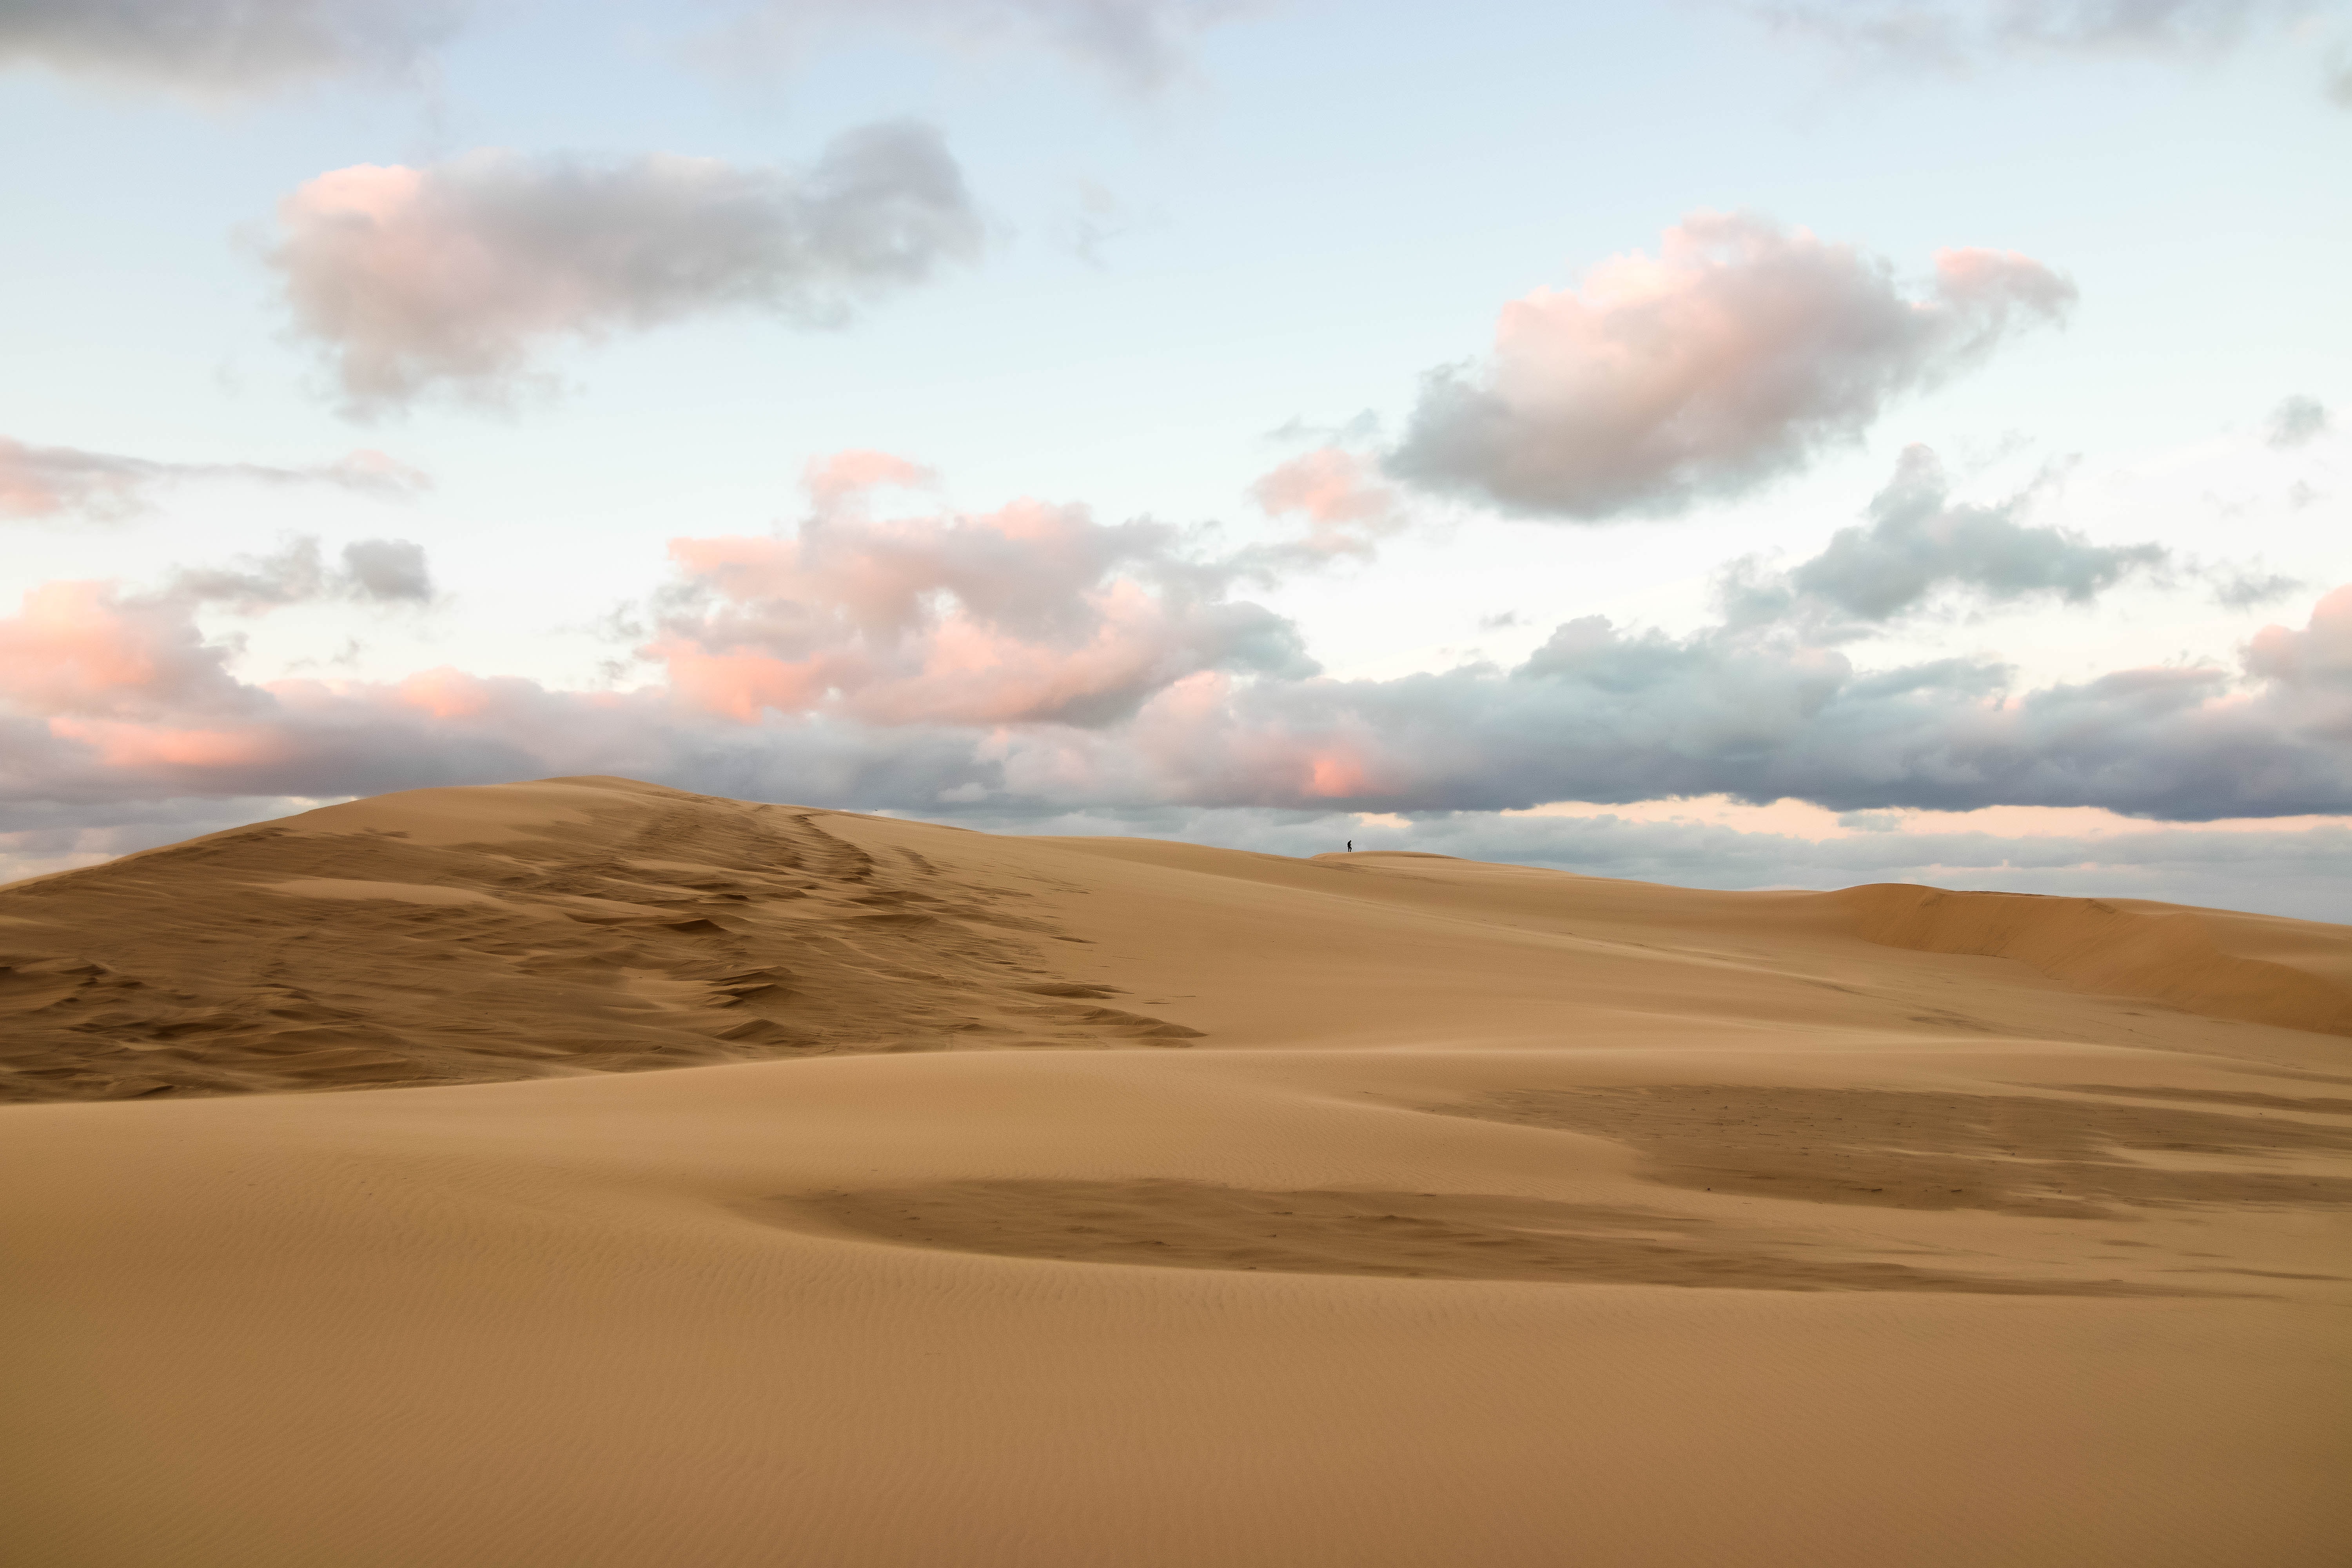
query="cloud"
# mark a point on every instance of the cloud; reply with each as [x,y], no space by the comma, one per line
[2246,588]
[387,571]
[455,277]
[374,571]
[214,48]
[1342,500]
[87,650]
[2297,420]
[1960,35]
[1736,356]
[2317,659]
[1033,613]
[59,481]
[1140,45]
[1964,38]
[82,651]
[1920,542]
[847,480]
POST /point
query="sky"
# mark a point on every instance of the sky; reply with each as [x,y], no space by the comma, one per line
[1733,443]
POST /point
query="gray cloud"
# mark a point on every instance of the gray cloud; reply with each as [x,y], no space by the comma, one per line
[1968,37]
[388,571]
[2296,420]
[221,47]
[374,571]
[2247,588]
[1602,714]
[1739,355]
[453,278]
[59,481]
[1965,34]
[1920,542]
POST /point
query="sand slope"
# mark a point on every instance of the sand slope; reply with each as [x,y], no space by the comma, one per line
[1094,1202]
[447,936]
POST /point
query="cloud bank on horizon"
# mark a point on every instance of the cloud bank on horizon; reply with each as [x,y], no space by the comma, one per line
[1038,660]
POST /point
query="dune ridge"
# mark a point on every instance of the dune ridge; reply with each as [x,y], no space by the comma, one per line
[599,924]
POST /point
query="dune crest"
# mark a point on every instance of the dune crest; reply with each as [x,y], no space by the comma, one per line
[2263,969]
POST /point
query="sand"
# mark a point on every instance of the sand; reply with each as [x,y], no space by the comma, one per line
[1062,1201]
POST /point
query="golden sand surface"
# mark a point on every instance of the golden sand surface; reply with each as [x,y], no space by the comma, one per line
[1053,1201]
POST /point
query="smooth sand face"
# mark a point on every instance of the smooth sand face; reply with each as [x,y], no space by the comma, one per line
[1113,1202]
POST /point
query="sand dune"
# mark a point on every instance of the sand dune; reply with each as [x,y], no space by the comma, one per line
[2260,968]
[1054,1201]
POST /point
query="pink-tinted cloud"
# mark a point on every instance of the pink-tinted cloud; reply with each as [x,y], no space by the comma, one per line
[83,651]
[1032,613]
[1341,499]
[455,277]
[1735,355]
[2316,658]
[845,476]
[88,650]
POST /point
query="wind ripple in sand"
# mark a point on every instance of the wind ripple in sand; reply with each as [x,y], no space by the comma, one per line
[2022,1154]
[1427,1236]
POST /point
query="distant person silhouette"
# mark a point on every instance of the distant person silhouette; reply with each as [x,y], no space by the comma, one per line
[1351,847]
